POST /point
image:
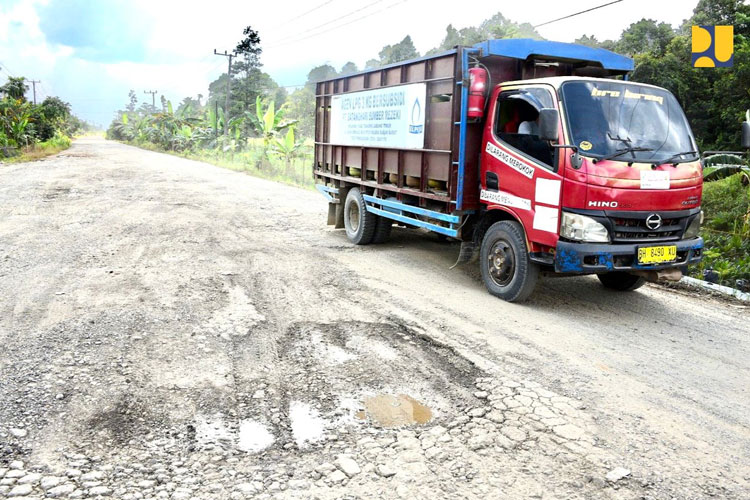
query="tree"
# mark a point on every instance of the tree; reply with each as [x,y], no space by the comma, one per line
[246,72]
[52,115]
[495,27]
[591,41]
[301,108]
[398,52]
[15,88]
[348,69]
[451,39]
[249,47]
[646,36]
[320,73]
[190,106]
[55,110]
[721,12]
[132,101]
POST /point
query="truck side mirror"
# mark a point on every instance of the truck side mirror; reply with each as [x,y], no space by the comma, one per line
[549,121]
[745,135]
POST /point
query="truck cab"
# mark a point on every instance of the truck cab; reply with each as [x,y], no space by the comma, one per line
[538,156]
[603,175]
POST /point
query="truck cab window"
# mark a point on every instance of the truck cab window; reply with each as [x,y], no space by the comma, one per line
[517,124]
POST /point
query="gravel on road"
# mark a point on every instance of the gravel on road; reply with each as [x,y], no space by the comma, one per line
[170,329]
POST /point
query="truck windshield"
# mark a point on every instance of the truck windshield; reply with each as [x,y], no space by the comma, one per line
[626,121]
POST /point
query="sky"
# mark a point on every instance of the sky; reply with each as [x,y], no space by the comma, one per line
[91,53]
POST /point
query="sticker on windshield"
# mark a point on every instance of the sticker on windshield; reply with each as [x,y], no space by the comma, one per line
[595,92]
[585,145]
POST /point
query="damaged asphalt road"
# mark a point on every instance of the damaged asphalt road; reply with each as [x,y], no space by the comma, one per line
[170,329]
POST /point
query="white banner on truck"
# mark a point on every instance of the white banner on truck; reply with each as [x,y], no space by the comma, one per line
[391,117]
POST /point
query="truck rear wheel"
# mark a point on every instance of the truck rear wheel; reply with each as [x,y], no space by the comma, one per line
[620,281]
[506,269]
[358,222]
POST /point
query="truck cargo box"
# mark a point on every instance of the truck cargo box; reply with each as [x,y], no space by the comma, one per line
[402,131]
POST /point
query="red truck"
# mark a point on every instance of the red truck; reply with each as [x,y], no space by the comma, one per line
[540,157]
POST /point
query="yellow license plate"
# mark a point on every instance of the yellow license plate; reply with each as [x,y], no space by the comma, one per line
[657,255]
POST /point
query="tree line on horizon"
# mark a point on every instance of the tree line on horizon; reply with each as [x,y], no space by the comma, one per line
[714,99]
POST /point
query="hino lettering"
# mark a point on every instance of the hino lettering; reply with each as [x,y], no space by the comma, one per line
[603,204]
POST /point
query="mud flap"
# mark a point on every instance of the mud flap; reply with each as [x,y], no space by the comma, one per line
[332,214]
[467,253]
[339,221]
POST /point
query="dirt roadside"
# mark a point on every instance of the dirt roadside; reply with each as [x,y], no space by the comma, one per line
[174,330]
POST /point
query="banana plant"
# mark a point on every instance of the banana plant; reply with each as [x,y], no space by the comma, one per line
[288,149]
[16,120]
[268,124]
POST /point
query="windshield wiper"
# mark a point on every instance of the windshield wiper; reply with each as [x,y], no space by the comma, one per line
[629,148]
[620,152]
[673,159]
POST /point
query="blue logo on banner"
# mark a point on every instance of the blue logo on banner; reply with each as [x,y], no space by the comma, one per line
[416,114]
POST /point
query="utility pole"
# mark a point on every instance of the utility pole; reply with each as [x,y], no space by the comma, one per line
[153,99]
[33,85]
[229,89]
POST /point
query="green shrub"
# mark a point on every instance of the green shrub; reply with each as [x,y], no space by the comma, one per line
[726,230]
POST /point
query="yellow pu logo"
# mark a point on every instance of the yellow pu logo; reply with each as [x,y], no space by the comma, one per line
[713,46]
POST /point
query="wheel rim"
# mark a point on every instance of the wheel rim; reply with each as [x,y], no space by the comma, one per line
[501,263]
[353,217]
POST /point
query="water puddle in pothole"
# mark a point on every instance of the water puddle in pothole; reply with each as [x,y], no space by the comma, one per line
[253,436]
[394,411]
[307,424]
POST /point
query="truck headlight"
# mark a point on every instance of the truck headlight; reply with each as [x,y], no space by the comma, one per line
[694,228]
[581,228]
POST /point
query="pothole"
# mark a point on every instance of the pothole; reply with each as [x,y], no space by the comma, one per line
[307,424]
[254,437]
[387,410]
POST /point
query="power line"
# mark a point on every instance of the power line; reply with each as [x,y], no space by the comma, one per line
[283,39]
[303,14]
[577,13]
[341,25]
[7,70]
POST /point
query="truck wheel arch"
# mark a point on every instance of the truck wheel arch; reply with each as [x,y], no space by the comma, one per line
[493,215]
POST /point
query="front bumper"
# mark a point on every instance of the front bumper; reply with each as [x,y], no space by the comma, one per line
[590,258]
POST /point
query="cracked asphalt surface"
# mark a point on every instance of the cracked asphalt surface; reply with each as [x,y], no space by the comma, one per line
[170,329]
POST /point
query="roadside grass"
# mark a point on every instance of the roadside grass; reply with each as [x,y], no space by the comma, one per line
[252,161]
[40,150]
[726,231]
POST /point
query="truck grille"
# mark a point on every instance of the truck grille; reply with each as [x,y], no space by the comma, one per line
[631,227]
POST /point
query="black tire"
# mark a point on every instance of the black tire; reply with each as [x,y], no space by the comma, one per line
[620,281]
[358,222]
[507,271]
[383,226]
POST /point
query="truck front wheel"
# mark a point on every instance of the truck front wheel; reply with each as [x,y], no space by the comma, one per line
[358,222]
[622,282]
[507,271]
